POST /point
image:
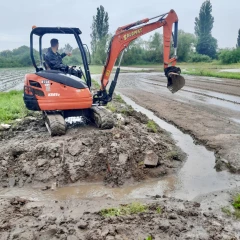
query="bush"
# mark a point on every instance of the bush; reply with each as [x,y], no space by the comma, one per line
[195,57]
[228,56]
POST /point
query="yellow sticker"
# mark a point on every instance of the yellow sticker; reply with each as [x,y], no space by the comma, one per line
[107,73]
[133,33]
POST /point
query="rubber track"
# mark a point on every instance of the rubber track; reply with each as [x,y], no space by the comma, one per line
[102,117]
[55,124]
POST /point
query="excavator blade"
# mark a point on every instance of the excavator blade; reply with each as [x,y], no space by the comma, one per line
[175,82]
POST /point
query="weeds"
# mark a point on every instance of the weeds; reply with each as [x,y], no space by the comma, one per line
[158,210]
[119,98]
[236,206]
[96,84]
[152,126]
[133,208]
[111,107]
[12,106]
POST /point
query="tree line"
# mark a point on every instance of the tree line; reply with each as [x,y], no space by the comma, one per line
[198,47]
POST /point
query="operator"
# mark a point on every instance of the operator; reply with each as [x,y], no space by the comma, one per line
[54,59]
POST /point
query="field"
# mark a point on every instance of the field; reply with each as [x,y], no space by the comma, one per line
[98,184]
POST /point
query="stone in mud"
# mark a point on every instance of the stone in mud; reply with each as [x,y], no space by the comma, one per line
[12,182]
[76,148]
[114,144]
[20,183]
[103,151]
[151,159]
[122,158]
[41,162]
[28,169]
[82,225]
[164,225]
[4,127]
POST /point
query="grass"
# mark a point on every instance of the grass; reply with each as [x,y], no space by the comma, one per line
[133,208]
[236,206]
[152,126]
[119,98]
[212,69]
[111,107]
[95,69]
[12,106]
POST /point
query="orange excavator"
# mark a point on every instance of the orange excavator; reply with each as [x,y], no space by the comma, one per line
[60,95]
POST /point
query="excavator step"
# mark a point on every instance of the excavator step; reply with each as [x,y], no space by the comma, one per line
[55,124]
[102,117]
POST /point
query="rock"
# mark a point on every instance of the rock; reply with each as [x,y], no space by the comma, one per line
[110,238]
[12,182]
[103,151]
[76,148]
[196,204]
[114,144]
[151,159]
[28,170]
[82,224]
[81,162]
[164,225]
[41,162]
[4,127]
[105,231]
[152,140]
[120,119]
[4,163]
[122,158]
[20,183]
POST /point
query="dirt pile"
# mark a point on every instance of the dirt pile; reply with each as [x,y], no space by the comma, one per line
[165,218]
[29,156]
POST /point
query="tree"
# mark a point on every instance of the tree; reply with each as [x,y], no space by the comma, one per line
[206,44]
[185,42]
[238,39]
[99,33]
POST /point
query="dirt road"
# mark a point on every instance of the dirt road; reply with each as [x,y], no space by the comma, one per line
[206,108]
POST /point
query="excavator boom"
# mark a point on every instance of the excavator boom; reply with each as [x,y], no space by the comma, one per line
[128,33]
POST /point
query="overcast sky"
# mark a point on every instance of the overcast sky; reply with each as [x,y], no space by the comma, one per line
[18,16]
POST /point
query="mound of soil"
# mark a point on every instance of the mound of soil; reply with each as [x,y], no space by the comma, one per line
[29,156]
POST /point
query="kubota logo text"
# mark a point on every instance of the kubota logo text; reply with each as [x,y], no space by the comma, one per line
[131,34]
[54,94]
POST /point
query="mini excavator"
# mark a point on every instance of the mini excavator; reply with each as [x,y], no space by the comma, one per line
[60,95]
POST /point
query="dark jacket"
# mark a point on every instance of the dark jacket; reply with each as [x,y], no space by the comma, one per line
[54,60]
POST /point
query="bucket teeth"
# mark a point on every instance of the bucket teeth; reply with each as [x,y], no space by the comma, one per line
[175,82]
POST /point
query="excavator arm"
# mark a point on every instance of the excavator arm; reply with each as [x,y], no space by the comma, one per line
[128,33]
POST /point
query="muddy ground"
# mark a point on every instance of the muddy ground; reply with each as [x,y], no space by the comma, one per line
[30,159]
[165,218]
[206,108]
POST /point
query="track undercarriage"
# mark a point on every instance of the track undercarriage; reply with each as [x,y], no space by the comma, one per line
[56,125]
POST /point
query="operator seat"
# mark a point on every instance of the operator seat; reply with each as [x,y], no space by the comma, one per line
[46,66]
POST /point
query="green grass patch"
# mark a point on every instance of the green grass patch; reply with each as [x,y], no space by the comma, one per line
[159,210]
[95,84]
[12,106]
[95,69]
[149,238]
[236,205]
[119,98]
[111,107]
[152,126]
[236,202]
[133,208]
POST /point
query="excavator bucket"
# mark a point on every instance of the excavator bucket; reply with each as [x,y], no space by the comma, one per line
[175,82]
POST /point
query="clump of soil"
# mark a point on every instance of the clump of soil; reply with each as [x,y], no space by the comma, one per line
[29,156]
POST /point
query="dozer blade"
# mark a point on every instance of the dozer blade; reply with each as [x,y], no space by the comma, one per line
[102,117]
[175,82]
[55,124]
